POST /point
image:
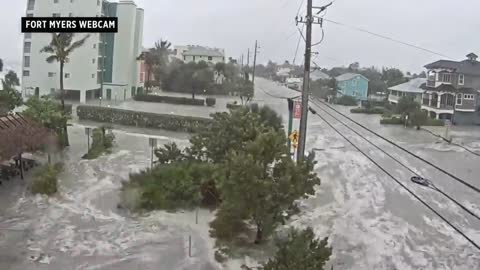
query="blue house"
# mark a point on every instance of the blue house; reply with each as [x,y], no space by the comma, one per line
[351,84]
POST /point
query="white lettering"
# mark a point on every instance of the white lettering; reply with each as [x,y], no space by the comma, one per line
[83,24]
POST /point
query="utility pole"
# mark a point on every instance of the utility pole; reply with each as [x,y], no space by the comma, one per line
[248,58]
[309,20]
[254,63]
[306,83]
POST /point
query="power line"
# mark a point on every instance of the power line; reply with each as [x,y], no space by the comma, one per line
[398,161]
[456,144]
[388,38]
[399,182]
[458,179]
[298,45]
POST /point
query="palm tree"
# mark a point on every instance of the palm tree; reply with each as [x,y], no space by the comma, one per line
[60,49]
[155,59]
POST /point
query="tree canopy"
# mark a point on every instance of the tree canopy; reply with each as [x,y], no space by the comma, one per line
[300,250]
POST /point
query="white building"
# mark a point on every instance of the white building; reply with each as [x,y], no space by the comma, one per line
[409,89]
[84,80]
[193,53]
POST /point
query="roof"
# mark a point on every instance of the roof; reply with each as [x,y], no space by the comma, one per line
[204,51]
[447,88]
[349,76]
[19,134]
[468,67]
[319,75]
[412,86]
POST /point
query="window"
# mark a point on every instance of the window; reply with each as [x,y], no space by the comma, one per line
[210,58]
[27,46]
[468,97]
[30,15]
[52,91]
[93,61]
[98,2]
[94,46]
[459,99]
[71,1]
[93,75]
[26,61]
[51,74]
[56,15]
[446,77]
[31,4]
[461,79]
[354,82]
[55,1]
[67,75]
[70,14]
[28,35]
[26,73]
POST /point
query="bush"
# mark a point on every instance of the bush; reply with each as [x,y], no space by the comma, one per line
[102,141]
[171,186]
[346,101]
[434,122]
[171,100]
[211,102]
[45,180]
[368,110]
[233,106]
[392,121]
[142,119]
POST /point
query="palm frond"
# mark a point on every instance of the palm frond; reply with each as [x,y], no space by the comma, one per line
[77,44]
[52,58]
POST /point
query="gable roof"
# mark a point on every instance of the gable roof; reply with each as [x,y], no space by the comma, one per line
[467,67]
[412,86]
[349,76]
[204,51]
[319,75]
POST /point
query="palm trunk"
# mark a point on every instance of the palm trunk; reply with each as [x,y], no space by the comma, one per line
[259,237]
[62,96]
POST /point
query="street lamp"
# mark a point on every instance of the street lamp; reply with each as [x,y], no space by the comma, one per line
[100,98]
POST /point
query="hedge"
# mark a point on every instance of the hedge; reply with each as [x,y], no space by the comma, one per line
[169,99]
[233,106]
[399,121]
[346,101]
[141,119]
[368,111]
[211,102]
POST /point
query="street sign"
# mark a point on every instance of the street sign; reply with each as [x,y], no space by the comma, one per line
[294,138]
[152,142]
[297,110]
[87,131]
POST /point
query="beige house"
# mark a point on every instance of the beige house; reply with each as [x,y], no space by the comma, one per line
[199,53]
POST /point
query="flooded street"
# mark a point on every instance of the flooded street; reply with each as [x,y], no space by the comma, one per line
[372,223]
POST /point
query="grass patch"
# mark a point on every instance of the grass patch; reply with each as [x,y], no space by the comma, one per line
[103,140]
[45,179]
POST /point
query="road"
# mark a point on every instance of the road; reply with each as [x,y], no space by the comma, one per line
[371,222]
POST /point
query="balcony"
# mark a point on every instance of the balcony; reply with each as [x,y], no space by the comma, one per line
[431,83]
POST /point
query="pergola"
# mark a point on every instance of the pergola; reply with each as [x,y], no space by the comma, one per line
[19,134]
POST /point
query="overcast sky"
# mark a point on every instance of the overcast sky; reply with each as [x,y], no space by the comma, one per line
[444,26]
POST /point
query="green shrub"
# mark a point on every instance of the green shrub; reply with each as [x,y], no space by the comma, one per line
[434,122]
[171,100]
[171,186]
[45,180]
[368,110]
[346,101]
[102,141]
[233,106]
[392,121]
[141,119]
[211,102]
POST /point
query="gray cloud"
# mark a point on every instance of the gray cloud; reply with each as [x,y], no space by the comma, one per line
[448,27]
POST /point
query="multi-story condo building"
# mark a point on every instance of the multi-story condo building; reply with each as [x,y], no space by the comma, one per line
[452,90]
[105,66]
[195,53]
